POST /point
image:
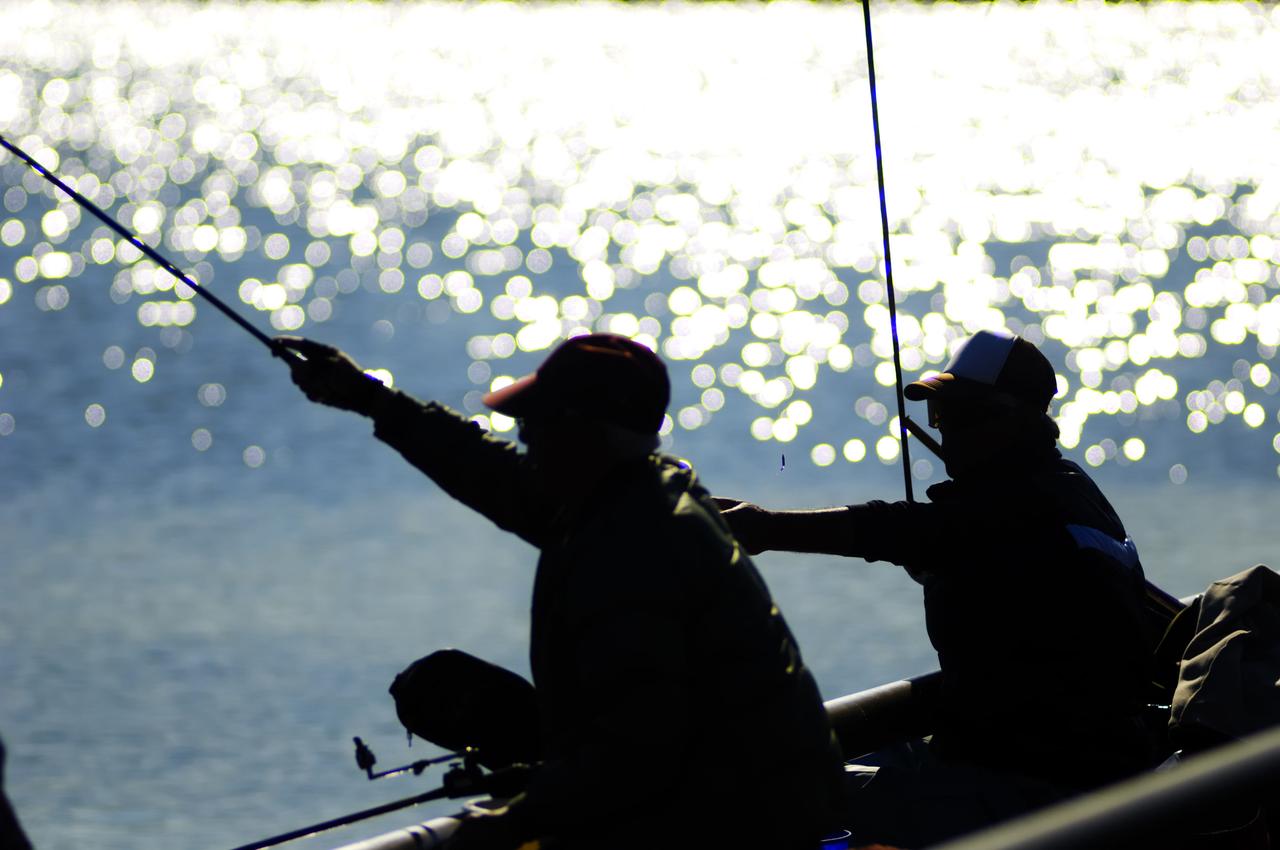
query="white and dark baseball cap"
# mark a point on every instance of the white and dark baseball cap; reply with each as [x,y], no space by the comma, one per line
[992,364]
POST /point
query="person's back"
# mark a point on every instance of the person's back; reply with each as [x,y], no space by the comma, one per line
[1033,601]
[648,586]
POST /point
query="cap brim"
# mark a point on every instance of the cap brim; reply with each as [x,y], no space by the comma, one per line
[946,385]
[929,387]
[515,399]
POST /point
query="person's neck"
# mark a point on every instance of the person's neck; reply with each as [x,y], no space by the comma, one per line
[1007,463]
[580,468]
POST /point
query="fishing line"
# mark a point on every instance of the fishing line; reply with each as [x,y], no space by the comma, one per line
[888,263]
[276,349]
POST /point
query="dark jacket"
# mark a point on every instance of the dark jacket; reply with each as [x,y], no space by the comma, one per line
[672,694]
[1033,600]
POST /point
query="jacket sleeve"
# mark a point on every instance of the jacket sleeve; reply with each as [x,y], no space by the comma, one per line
[902,533]
[487,474]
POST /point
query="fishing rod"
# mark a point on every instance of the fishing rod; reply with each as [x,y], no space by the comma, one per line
[324,826]
[1160,604]
[276,348]
[905,425]
[465,778]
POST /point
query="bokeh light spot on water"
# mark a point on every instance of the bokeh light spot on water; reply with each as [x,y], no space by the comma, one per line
[143,369]
[254,456]
[113,357]
[7,424]
[854,450]
[320,309]
[212,395]
[1095,455]
[288,318]
[52,298]
[823,454]
[12,232]
[888,449]
[201,439]
[95,414]
[55,223]
[691,418]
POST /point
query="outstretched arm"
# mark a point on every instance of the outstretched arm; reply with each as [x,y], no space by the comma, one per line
[822,530]
[487,474]
[902,533]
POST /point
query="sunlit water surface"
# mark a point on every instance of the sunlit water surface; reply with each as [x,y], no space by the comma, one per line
[208,583]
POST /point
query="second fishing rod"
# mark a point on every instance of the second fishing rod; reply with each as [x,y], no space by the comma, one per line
[905,424]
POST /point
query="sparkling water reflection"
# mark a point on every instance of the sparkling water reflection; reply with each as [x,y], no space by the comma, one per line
[1115,204]
[448,190]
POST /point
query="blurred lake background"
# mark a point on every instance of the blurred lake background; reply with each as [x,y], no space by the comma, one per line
[207,583]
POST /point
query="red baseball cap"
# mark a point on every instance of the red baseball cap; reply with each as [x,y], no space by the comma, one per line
[603,376]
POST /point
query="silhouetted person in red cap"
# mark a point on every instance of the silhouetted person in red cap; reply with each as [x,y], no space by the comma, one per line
[1033,598]
[673,706]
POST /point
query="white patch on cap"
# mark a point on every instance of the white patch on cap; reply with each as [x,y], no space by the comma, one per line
[982,357]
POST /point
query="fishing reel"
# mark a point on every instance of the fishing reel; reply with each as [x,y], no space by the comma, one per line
[365,760]
[464,778]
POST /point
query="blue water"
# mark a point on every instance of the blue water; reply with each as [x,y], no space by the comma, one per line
[190,635]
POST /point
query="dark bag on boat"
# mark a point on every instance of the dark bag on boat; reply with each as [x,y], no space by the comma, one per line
[455,701]
[1229,674]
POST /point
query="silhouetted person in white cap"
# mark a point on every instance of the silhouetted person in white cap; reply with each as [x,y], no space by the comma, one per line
[674,709]
[1033,598]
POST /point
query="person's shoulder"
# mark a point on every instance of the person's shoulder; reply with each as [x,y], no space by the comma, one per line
[660,531]
[674,471]
[669,482]
[645,495]
[1079,499]
[1064,474]
[690,514]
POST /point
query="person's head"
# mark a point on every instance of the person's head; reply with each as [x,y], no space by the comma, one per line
[991,402]
[599,394]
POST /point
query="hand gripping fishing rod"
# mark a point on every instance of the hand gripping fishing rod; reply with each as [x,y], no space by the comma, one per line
[276,348]
[905,425]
